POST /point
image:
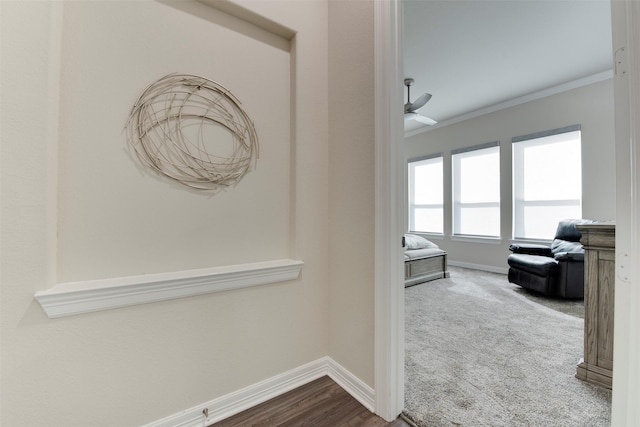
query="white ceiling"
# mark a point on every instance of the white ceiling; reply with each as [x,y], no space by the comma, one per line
[473,54]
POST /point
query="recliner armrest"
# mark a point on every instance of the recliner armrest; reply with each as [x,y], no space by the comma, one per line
[530,249]
[569,256]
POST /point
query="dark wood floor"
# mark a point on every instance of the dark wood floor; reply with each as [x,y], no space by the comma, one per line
[321,403]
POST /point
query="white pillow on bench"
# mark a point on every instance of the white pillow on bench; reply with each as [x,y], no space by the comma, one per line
[413,241]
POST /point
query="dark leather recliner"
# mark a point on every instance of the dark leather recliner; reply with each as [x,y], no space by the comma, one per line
[556,270]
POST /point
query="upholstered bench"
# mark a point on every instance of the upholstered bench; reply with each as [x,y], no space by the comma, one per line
[423,261]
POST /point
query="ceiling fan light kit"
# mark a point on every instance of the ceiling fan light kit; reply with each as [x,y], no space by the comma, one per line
[411,108]
[418,118]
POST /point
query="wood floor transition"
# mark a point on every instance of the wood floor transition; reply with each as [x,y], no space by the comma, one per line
[321,403]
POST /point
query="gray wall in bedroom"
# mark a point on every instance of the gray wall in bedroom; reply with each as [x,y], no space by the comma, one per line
[590,106]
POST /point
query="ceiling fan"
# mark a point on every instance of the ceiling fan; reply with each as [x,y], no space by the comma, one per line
[411,108]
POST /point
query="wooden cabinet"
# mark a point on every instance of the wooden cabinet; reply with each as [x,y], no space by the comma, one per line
[599,281]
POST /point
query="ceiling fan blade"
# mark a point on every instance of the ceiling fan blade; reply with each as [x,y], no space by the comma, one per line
[418,103]
[425,120]
[420,119]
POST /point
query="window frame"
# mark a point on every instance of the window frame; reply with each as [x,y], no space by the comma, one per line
[411,164]
[518,184]
[457,206]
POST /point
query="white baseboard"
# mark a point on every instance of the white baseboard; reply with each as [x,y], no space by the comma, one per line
[489,268]
[351,384]
[248,397]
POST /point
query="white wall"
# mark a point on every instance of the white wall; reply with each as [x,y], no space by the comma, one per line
[351,184]
[626,376]
[591,106]
[135,365]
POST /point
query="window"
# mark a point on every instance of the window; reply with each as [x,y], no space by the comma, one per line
[476,190]
[547,181]
[425,194]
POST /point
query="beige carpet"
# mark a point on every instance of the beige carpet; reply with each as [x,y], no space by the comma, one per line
[483,352]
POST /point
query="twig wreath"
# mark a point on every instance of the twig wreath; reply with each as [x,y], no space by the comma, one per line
[175,128]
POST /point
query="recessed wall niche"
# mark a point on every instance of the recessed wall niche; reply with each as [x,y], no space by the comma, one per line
[114,218]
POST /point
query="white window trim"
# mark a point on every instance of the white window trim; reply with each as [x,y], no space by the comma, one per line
[476,239]
[518,203]
[412,206]
[456,206]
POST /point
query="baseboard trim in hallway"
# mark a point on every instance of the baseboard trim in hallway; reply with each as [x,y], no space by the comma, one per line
[320,403]
[233,403]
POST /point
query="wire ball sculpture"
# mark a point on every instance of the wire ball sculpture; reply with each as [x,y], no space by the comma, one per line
[194,131]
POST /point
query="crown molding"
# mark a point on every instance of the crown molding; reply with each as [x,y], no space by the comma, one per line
[565,87]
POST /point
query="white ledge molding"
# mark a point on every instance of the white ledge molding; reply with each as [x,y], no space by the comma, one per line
[67,299]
